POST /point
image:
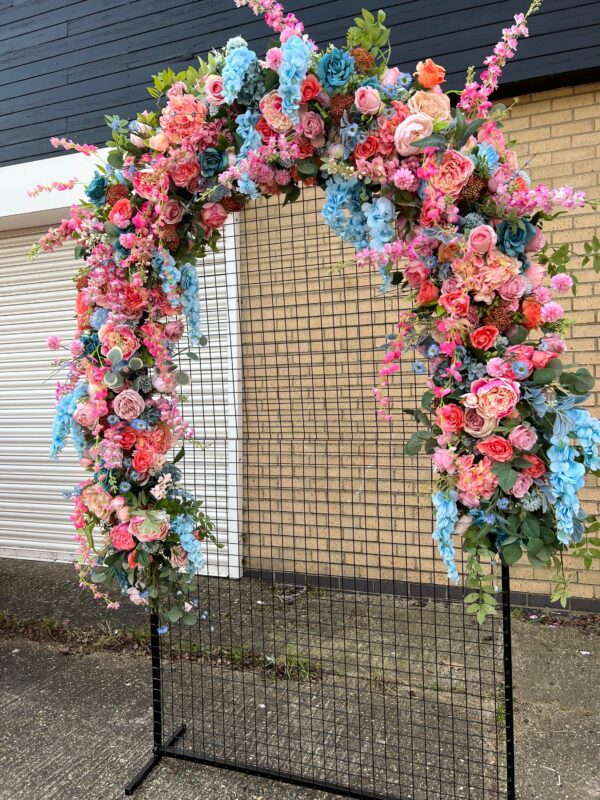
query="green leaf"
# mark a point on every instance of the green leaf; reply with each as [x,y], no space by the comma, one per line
[435,140]
[511,553]
[543,376]
[506,475]
[174,614]
[115,159]
[531,527]
[414,444]
[179,455]
[307,167]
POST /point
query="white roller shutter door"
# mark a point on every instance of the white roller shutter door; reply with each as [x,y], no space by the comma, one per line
[36,300]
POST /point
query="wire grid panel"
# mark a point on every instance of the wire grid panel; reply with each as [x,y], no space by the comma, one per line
[340,657]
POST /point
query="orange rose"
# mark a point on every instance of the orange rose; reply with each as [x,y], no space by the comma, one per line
[532,313]
[430,74]
[367,148]
[142,461]
[484,338]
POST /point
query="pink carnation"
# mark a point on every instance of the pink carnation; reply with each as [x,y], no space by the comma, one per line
[53,342]
[561,283]
[552,312]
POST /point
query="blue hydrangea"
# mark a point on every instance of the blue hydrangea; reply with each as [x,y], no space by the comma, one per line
[446,515]
[190,300]
[63,418]
[296,55]
[380,218]
[247,186]
[236,65]
[335,68]
[246,130]
[587,429]
[567,478]
[184,525]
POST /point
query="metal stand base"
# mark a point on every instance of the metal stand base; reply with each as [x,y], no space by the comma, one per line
[153,762]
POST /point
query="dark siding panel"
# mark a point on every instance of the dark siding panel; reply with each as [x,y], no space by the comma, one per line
[71,61]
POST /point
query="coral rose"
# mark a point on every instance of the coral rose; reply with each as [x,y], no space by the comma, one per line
[142,460]
[120,213]
[450,418]
[127,438]
[453,173]
[456,303]
[435,104]
[366,149]
[413,128]
[537,468]
[496,447]
[430,74]
[485,337]
[367,100]
[541,358]
[310,88]
[428,293]
[532,313]
[128,404]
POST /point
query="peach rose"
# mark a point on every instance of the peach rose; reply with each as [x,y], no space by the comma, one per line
[367,100]
[430,74]
[159,142]
[413,128]
[120,336]
[494,398]
[97,500]
[150,529]
[435,104]
[270,107]
[453,173]
[128,404]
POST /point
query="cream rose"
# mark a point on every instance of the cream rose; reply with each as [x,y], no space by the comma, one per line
[413,128]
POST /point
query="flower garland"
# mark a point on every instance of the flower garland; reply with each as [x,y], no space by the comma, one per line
[431,197]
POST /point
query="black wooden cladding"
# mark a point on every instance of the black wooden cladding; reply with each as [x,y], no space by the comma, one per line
[66,63]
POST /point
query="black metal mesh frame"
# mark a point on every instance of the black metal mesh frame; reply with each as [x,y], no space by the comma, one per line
[341,658]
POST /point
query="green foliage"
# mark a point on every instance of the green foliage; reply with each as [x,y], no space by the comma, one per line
[369,32]
[592,253]
[481,602]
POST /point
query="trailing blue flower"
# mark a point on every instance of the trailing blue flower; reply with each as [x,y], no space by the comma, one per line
[63,418]
[190,301]
[164,264]
[236,65]
[246,130]
[343,212]
[446,515]
[296,55]
[587,430]
[184,526]
[567,478]
[247,186]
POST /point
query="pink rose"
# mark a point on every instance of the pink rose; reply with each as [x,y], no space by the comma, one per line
[164,382]
[478,426]
[171,212]
[367,100]
[415,272]
[443,460]
[174,330]
[496,397]
[554,344]
[213,215]
[390,76]
[184,168]
[523,437]
[128,404]
[514,288]
[482,238]
[453,173]
[86,414]
[541,358]
[537,241]
[313,127]
[413,128]
[428,292]
[213,86]
[150,529]
[521,486]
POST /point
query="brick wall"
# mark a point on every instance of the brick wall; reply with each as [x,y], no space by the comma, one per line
[327,486]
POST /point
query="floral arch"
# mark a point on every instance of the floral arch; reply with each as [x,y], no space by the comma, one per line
[430,196]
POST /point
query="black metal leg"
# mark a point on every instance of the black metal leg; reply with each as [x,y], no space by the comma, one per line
[157,725]
[508,686]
